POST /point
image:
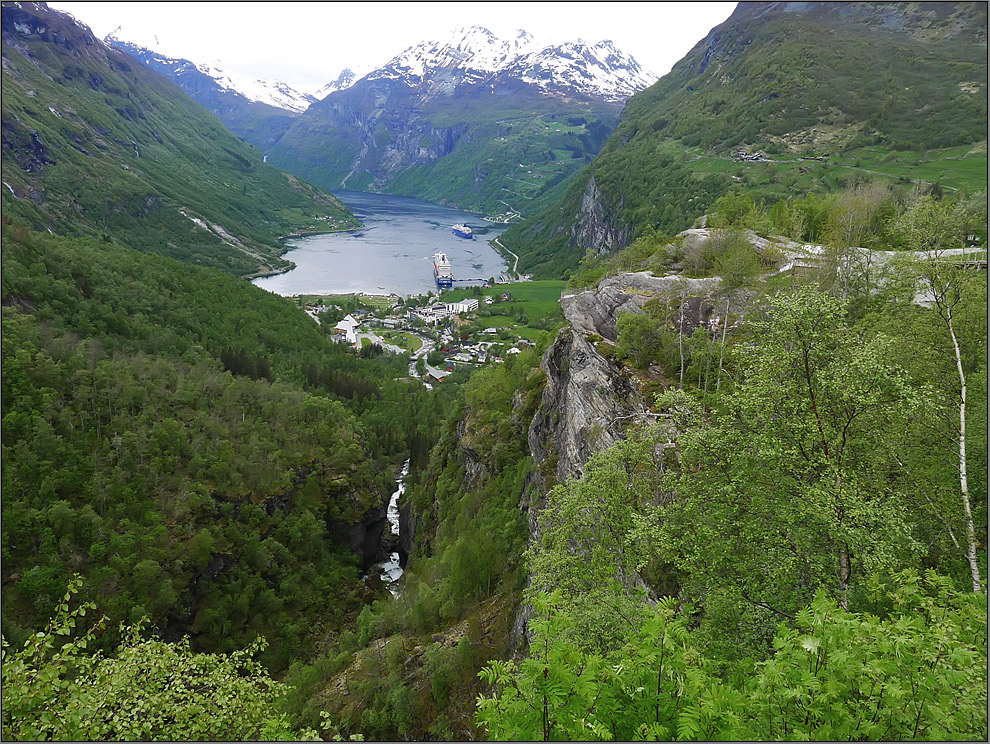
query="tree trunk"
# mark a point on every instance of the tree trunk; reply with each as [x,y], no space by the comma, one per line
[974,566]
[844,578]
[680,339]
[721,351]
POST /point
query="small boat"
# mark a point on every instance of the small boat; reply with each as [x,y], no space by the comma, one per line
[463,231]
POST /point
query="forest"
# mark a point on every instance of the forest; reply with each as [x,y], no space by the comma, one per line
[734,488]
[793,548]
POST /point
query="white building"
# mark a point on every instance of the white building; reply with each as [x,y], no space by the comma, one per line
[348,328]
[464,306]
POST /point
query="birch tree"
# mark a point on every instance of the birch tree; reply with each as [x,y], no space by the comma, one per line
[944,284]
[794,487]
[933,227]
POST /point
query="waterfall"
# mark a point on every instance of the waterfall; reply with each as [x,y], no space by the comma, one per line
[391,571]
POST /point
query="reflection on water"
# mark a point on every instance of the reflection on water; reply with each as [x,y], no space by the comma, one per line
[393,252]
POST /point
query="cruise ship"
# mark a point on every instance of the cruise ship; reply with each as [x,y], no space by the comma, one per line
[441,271]
[463,231]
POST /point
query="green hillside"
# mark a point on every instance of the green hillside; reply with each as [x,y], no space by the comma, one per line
[827,92]
[507,154]
[94,144]
[197,448]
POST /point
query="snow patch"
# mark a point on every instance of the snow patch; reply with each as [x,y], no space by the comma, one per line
[271,92]
[476,55]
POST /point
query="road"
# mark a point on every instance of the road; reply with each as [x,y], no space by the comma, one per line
[502,247]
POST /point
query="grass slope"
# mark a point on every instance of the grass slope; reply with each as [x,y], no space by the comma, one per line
[94,144]
[899,91]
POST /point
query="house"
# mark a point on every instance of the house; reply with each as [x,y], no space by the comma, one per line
[347,328]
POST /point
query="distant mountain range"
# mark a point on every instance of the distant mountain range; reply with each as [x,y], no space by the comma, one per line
[474,55]
[257,111]
[269,92]
[96,144]
[472,120]
[483,123]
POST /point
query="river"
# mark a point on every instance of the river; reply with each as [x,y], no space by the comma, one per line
[390,570]
[392,252]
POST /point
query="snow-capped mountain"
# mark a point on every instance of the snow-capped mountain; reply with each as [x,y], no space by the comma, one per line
[598,70]
[345,80]
[470,119]
[474,55]
[270,92]
[475,52]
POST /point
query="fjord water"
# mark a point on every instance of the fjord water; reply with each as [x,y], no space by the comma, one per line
[392,252]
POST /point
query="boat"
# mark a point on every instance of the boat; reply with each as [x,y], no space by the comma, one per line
[463,231]
[441,271]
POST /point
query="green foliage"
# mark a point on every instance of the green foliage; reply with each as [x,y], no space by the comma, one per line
[121,153]
[465,568]
[586,546]
[216,504]
[643,340]
[916,673]
[798,473]
[149,690]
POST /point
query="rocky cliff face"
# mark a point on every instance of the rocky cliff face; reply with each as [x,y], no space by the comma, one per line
[597,310]
[589,400]
[596,228]
[585,406]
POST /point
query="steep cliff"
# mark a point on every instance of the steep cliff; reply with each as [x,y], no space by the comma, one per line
[585,405]
[595,228]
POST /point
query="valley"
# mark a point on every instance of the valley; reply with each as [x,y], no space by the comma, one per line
[694,447]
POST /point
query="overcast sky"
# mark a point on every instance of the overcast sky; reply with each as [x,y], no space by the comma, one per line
[308,44]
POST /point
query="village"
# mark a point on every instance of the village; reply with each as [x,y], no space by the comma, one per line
[440,337]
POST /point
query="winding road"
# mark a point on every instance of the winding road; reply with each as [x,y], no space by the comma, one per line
[495,241]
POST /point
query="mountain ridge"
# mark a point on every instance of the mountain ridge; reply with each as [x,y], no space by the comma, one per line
[95,144]
[268,91]
[761,103]
[474,121]
[482,57]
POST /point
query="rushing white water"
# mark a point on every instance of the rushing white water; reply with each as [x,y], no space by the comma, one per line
[391,571]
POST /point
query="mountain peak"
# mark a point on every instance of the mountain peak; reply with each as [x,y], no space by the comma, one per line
[344,80]
[270,92]
[473,54]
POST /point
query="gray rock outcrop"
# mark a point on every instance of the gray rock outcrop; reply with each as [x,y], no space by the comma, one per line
[585,405]
[595,228]
[597,310]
